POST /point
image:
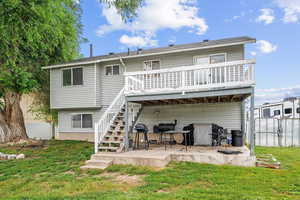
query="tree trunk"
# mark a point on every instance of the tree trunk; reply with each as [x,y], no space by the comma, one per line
[12,126]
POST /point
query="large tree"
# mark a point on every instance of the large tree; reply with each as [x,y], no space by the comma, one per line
[33,33]
[36,33]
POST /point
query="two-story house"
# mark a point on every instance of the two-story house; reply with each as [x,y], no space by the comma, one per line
[100,98]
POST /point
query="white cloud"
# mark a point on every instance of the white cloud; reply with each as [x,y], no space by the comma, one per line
[266,47]
[236,17]
[155,16]
[253,53]
[137,41]
[291,10]
[267,16]
[276,94]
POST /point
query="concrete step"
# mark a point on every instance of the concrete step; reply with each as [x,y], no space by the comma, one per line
[95,162]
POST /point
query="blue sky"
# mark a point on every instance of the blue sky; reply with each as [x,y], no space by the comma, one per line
[275,24]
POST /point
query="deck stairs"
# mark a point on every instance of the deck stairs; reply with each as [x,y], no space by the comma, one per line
[110,130]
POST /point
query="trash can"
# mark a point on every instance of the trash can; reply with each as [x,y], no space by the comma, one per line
[237,138]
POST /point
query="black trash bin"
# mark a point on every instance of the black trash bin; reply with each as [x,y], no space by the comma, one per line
[237,138]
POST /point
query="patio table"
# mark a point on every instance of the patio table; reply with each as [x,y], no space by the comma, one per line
[171,136]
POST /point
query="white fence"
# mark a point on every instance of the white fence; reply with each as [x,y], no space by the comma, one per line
[39,130]
[234,73]
[276,132]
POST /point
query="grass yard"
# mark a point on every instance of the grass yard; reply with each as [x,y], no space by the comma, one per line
[52,172]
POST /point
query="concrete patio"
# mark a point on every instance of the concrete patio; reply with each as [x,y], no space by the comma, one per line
[157,156]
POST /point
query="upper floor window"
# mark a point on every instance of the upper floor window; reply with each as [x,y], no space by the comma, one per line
[112,70]
[218,58]
[288,111]
[72,76]
[210,59]
[82,121]
[298,110]
[151,65]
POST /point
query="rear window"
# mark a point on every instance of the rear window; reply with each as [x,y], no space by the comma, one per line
[266,113]
[276,112]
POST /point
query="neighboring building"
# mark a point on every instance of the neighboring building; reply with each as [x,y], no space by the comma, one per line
[35,128]
[205,82]
[287,108]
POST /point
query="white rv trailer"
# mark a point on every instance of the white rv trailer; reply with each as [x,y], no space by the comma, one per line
[288,108]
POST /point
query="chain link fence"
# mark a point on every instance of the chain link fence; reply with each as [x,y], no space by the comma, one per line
[282,132]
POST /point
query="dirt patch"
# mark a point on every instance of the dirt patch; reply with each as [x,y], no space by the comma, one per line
[29,143]
[69,172]
[129,180]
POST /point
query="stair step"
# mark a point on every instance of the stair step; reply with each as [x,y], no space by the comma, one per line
[111,141]
[108,148]
[98,162]
[87,167]
[114,136]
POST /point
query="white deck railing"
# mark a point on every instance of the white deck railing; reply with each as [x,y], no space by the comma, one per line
[108,117]
[228,74]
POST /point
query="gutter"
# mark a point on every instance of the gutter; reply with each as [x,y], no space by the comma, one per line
[144,55]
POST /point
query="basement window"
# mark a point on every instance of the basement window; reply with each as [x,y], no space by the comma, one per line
[72,76]
[82,121]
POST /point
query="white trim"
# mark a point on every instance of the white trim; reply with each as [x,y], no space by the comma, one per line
[112,70]
[149,54]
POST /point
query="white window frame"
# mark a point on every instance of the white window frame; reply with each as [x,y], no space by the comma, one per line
[144,64]
[217,54]
[112,70]
[73,114]
[209,57]
[71,68]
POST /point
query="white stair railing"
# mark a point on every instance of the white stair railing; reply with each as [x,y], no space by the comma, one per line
[108,117]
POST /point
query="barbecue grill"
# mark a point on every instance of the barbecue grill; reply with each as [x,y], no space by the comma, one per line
[141,129]
[164,127]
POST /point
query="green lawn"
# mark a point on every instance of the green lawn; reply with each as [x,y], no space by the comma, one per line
[52,172]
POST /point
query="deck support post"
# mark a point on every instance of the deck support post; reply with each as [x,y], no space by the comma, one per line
[126,139]
[252,125]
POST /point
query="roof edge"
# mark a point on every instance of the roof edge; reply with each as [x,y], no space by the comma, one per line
[251,40]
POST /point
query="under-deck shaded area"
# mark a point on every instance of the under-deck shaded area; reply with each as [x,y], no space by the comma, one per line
[224,107]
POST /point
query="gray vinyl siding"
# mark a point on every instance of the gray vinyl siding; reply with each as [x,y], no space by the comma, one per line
[83,96]
[227,115]
[233,53]
[65,120]
[111,85]
[100,90]
[98,86]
